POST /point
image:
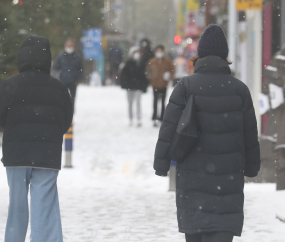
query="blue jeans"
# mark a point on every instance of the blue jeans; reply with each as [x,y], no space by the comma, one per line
[45,214]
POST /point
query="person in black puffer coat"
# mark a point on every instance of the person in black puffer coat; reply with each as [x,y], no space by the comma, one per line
[35,112]
[210,181]
[133,83]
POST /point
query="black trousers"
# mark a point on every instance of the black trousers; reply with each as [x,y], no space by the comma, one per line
[210,237]
[158,95]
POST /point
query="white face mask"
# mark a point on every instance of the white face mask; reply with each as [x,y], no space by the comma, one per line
[69,50]
[136,56]
[159,55]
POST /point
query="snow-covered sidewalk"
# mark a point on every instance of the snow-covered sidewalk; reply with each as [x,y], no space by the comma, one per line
[112,194]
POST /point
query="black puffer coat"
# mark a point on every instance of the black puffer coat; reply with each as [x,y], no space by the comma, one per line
[210,181]
[35,110]
[131,78]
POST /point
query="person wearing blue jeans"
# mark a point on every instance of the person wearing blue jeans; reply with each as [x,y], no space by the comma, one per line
[45,214]
[35,111]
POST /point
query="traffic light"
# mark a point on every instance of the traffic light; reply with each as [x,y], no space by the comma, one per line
[177,39]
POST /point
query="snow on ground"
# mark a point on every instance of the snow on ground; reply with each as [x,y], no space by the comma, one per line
[112,194]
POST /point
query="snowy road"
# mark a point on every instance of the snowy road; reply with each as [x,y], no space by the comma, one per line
[112,193]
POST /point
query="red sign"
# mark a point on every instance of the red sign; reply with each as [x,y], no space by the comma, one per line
[191,30]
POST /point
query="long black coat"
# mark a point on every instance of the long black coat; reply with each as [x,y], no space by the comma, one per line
[210,181]
[131,77]
[35,110]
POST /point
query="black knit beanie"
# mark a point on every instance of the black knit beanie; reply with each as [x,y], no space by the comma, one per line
[213,42]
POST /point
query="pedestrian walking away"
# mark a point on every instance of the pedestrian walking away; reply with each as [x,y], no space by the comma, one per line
[35,111]
[115,58]
[160,71]
[133,83]
[68,67]
[210,180]
[181,68]
[146,55]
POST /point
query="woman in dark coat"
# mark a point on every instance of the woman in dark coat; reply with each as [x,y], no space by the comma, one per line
[132,81]
[210,181]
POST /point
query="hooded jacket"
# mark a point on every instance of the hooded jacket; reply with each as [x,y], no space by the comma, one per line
[210,181]
[35,110]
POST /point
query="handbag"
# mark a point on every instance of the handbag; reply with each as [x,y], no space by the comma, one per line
[186,133]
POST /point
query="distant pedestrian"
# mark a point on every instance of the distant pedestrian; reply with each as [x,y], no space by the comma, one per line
[115,58]
[210,181]
[181,68]
[133,83]
[160,71]
[35,111]
[69,65]
[146,55]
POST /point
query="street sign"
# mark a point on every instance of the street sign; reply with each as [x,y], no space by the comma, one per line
[276,95]
[92,43]
[92,38]
[191,30]
[117,7]
[264,105]
[193,5]
[242,5]
[92,53]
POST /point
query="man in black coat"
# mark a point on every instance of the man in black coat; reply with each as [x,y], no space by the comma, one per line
[69,65]
[210,181]
[35,112]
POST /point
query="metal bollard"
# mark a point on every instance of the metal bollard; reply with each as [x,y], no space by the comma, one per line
[280,180]
[172,176]
[68,147]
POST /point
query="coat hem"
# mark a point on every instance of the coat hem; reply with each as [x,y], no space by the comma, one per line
[199,231]
[37,166]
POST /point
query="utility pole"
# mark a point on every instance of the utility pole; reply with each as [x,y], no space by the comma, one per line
[254,57]
[282,23]
[134,20]
[258,63]
[232,33]
[208,12]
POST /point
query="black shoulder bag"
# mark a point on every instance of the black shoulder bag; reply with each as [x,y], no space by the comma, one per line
[186,133]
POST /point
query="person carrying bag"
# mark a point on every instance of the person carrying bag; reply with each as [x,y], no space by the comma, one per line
[223,149]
